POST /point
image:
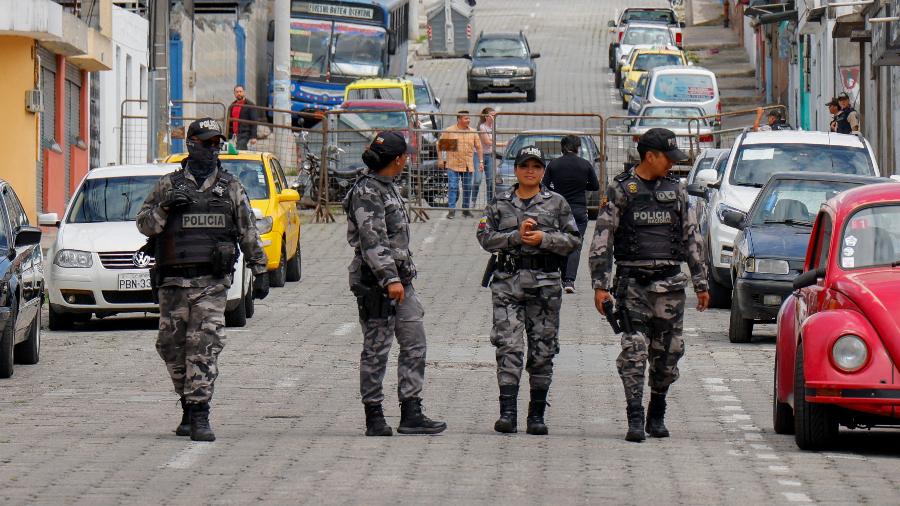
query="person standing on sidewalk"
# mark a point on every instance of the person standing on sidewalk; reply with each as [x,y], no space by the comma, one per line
[381,275]
[571,176]
[457,148]
[194,217]
[848,119]
[242,132]
[530,230]
[645,224]
[486,135]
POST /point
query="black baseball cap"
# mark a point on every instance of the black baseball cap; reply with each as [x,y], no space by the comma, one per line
[389,143]
[662,139]
[834,102]
[205,129]
[843,96]
[530,153]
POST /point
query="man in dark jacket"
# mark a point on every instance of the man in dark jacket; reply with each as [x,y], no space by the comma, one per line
[571,176]
[241,132]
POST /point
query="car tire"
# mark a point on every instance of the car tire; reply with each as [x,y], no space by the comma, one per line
[60,321]
[28,352]
[249,305]
[618,80]
[472,96]
[237,317]
[815,425]
[782,414]
[293,265]
[7,338]
[531,95]
[612,58]
[278,277]
[624,104]
[740,329]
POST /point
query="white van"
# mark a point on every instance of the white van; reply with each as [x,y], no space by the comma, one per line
[677,85]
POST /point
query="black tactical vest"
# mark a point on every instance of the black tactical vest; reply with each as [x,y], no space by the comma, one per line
[650,227]
[191,234]
[843,124]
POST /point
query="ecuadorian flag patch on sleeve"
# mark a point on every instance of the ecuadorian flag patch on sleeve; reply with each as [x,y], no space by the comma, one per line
[482,223]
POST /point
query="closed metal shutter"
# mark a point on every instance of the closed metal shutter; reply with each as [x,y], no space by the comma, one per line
[72,116]
[47,118]
[94,120]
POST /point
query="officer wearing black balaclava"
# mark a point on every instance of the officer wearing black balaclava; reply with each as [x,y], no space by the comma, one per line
[197,217]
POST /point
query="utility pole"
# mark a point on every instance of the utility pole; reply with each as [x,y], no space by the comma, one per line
[281,82]
[449,43]
[414,20]
[158,142]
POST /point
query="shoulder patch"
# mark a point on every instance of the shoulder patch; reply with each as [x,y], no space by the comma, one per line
[482,223]
[632,187]
[623,176]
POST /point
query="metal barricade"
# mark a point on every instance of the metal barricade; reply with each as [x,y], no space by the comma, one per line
[133,125]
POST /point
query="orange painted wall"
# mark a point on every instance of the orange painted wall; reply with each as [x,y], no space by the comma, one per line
[19,142]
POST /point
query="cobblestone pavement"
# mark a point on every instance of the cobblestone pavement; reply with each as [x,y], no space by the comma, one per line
[92,423]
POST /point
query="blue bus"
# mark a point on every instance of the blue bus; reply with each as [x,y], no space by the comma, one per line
[335,42]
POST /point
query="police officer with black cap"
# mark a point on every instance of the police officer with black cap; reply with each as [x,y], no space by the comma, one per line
[645,224]
[847,120]
[197,216]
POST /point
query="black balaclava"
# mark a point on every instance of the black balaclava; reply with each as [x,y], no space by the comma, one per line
[202,160]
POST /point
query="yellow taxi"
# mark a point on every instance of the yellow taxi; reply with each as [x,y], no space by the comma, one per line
[642,60]
[381,88]
[274,204]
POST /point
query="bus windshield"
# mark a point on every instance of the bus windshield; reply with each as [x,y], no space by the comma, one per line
[309,47]
[356,49]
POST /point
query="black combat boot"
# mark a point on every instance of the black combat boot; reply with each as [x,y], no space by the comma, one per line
[507,421]
[536,408]
[184,428]
[414,421]
[375,423]
[635,421]
[656,414]
[200,429]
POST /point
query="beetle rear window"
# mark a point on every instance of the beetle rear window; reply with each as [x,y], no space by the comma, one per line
[870,238]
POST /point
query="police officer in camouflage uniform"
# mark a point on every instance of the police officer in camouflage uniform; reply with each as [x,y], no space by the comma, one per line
[530,229]
[381,275]
[644,223]
[197,217]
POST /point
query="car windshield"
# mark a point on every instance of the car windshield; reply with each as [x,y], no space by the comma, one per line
[501,48]
[677,117]
[754,164]
[111,199]
[684,88]
[377,120]
[388,93]
[357,50]
[870,237]
[649,61]
[647,35]
[663,15]
[422,95]
[795,201]
[550,145]
[251,174]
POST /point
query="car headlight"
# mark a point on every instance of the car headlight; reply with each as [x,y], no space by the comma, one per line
[523,71]
[73,258]
[478,71]
[850,353]
[720,211]
[766,266]
[264,225]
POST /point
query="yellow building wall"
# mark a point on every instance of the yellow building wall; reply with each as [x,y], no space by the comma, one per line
[19,141]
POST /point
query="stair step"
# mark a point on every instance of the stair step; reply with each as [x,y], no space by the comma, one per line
[732,70]
[737,83]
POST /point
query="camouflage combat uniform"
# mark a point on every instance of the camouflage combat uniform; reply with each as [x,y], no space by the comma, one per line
[528,299]
[192,309]
[378,231]
[653,291]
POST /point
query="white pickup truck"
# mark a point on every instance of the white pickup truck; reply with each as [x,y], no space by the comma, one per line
[642,14]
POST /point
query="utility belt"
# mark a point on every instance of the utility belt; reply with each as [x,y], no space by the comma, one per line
[185,271]
[646,275]
[511,264]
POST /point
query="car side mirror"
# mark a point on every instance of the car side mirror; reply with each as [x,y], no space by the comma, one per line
[611,23]
[734,218]
[706,177]
[258,214]
[437,101]
[615,44]
[535,55]
[625,68]
[48,220]
[690,64]
[809,278]
[288,195]
[27,236]
[697,190]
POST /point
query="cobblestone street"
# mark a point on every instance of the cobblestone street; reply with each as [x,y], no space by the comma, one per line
[92,423]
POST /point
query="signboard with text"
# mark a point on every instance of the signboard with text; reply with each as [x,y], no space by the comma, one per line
[335,9]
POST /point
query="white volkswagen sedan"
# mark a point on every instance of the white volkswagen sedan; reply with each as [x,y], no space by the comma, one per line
[94,266]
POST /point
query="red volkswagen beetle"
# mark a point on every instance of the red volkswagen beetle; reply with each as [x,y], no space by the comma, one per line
[839,333]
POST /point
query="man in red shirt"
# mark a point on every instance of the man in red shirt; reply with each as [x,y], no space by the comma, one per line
[244,131]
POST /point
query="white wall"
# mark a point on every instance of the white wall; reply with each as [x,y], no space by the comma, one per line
[129,39]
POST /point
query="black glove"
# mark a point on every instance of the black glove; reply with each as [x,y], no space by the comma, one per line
[175,198]
[261,286]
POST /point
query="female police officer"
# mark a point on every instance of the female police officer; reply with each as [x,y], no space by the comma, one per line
[531,229]
[381,275]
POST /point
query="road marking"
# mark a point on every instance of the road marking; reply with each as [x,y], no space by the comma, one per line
[730,408]
[767,456]
[789,483]
[723,398]
[839,456]
[779,469]
[796,497]
[344,329]
[753,436]
[188,456]
[287,383]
